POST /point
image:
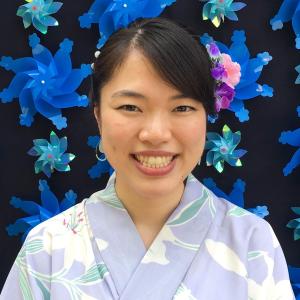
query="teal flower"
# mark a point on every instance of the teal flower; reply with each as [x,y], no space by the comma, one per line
[297,81]
[295,223]
[52,155]
[216,10]
[222,149]
[37,13]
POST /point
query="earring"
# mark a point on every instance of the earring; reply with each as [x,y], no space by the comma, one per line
[101,156]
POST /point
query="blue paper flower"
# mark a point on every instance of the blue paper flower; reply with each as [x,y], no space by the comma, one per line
[295,280]
[102,166]
[289,11]
[39,213]
[292,138]
[222,149]
[251,69]
[297,81]
[216,10]
[44,83]
[52,155]
[111,15]
[37,13]
[236,196]
[295,223]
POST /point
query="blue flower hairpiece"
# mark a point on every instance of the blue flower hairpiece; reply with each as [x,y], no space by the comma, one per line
[44,83]
[295,223]
[39,213]
[102,166]
[289,11]
[111,15]
[37,13]
[52,155]
[236,196]
[251,69]
[291,138]
[217,10]
[222,149]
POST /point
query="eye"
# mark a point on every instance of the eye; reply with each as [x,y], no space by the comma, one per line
[129,107]
[183,108]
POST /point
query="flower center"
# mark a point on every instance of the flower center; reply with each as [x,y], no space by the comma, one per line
[224,149]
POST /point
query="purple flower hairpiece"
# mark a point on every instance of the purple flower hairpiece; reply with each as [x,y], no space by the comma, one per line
[226,73]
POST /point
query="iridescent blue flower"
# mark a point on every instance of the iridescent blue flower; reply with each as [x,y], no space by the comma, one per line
[251,69]
[37,13]
[217,10]
[222,149]
[295,223]
[44,83]
[288,11]
[102,166]
[111,15]
[291,138]
[39,213]
[52,155]
[236,196]
[295,280]
[297,81]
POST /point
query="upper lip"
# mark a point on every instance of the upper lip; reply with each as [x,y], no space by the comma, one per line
[154,153]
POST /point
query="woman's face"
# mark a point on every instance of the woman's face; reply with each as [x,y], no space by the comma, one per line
[140,112]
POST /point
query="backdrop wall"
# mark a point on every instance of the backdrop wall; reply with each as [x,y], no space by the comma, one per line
[262,165]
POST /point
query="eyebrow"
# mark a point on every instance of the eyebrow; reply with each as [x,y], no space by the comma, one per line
[133,94]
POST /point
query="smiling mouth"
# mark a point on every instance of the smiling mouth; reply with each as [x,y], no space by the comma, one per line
[150,163]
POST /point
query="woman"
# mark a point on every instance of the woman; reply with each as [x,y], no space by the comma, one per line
[155,232]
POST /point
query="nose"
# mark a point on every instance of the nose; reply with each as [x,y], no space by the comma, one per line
[155,129]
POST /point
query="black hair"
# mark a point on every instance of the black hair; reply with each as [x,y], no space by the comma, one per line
[178,57]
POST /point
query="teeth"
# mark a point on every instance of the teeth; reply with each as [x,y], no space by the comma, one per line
[154,162]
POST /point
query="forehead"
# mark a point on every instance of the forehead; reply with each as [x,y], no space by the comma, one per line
[136,71]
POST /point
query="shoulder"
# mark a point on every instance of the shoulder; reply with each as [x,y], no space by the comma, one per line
[238,222]
[62,223]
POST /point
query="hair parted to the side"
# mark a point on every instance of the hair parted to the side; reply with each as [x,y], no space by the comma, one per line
[175,54]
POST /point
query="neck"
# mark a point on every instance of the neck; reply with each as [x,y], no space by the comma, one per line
[149,210]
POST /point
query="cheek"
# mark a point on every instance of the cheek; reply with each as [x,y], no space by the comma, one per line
[116,132]
[193,135]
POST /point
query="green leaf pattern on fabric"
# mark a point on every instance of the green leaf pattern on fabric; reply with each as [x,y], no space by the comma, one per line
[95,273]
[190,211]
[238,212]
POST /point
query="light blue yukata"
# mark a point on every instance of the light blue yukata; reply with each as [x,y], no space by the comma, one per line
[209,249]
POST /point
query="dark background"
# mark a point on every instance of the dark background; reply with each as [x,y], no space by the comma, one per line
[262,165]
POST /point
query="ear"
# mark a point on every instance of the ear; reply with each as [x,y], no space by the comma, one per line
[97,116]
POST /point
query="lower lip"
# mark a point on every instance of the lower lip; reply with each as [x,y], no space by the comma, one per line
[153,171]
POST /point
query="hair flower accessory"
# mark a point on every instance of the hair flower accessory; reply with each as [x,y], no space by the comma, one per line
[226,73]
[236,196]
[292,138]
[39,213]
[295,223]
[217,10]
[37,13]
[102,166]
[52,155]
[45,83]
[288,11]
[111,15]
[222,149]
[250,68]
